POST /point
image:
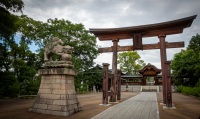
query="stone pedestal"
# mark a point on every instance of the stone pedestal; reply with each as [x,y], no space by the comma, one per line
[56,95]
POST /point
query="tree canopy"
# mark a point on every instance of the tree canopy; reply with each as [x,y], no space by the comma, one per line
[186,64]
[75,35]
[12,5]
[130,62]
[7,20]
[18,64]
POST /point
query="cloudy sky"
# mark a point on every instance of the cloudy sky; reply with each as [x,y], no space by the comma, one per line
[121,13]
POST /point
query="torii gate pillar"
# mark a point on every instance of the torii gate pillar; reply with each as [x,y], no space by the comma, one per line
[114,71]
[163,59]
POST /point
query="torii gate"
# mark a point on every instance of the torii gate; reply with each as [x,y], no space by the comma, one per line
[137,33]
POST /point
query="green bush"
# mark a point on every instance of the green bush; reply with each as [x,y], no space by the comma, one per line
[198,84]
[195,91]
[30,87]
[9,85]
[179,88]
[187,90]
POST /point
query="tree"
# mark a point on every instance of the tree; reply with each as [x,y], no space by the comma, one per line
[17,60]
[186,64]
[7,20]
[75,35]
[12,5]
[89,78]
[194,44]
[130,62]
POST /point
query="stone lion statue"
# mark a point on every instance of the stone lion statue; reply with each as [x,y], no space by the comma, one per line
[55,46]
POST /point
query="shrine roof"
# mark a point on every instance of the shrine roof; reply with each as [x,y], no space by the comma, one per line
[149,30]
[149,66]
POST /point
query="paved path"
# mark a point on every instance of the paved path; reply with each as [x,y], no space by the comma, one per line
[141,106]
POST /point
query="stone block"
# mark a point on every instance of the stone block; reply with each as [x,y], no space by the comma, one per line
[79,105]
[35,106]
[57,96]
[43,95]
[43,78]
[63,86]
[69,86]
[71,111]
[52,81]
[45,81]
[59,91]
[54,107]
[75,106]
[47,85]
[71,101]
[49,77]
[32,109]
[63,77]
[51,96]
[71,107]
[42,106]
[69,81]
[60,102]
[60,81]
[59,113]
[42,101]
[56,86]
[69,77]
[52,71]
[41,111]
[54,96]
[49,101]
[70,91]
[63,97]
[77,109]
[44,91]
[64,108]
[40,86]
[70,96]
[37,99]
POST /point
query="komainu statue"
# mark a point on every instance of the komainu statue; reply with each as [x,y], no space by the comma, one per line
[55,46]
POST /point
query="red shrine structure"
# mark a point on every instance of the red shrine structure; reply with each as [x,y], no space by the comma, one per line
[136,33]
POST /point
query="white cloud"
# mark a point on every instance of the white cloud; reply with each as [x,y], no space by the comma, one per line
[121,13]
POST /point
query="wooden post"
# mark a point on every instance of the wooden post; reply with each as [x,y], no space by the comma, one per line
[156,80]
[144,80]
[105,83]
[168,85]
[114,71]
[119,84]
[163,59]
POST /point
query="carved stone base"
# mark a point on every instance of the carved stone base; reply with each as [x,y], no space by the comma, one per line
[56,95]
[58,64]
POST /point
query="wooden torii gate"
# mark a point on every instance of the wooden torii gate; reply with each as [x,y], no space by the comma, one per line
[137,33]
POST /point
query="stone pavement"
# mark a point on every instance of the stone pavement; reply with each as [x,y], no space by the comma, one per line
[141,106]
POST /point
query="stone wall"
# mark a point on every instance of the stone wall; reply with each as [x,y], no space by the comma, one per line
[56,95]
